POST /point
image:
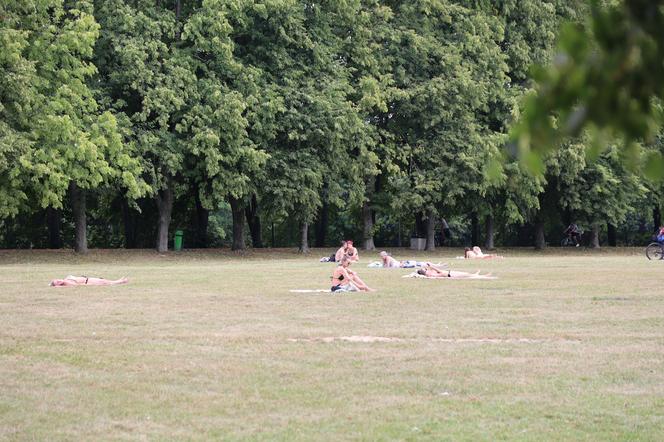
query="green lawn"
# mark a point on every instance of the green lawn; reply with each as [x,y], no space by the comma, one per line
[212,345]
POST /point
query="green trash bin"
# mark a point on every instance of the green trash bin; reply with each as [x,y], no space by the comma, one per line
[177,240]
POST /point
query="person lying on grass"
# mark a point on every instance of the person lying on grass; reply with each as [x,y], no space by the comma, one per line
[84,280]
[389,262]
[431,271]
[346,280]
[476,253]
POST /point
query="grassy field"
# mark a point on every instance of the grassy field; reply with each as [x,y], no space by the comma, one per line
[212,345]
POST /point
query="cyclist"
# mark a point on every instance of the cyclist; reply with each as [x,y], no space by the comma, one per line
[660,235]
[574,233]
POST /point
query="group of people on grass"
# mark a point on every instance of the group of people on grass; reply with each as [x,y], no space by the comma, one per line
[346,280]
[343,278]
[346,249]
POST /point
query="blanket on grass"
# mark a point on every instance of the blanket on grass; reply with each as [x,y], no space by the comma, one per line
[417,275]
[310,291]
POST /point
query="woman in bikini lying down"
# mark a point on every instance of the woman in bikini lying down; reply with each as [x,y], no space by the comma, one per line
[71,280]
[431,271]
[476,253]
[346,280]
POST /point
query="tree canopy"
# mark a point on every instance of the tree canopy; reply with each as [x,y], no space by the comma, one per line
[377,120]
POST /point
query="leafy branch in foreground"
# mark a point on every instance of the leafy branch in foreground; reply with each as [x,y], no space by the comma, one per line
[607,79]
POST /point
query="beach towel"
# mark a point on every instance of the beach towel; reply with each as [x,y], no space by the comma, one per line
[417,275]
[310,291]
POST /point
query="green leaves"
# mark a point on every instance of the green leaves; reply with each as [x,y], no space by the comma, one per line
[57,132]
[406,103]
[606,75]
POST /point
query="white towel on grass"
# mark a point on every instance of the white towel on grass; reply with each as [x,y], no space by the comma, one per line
[310,291]
[416,275]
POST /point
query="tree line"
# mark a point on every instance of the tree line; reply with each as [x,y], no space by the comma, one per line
[347,116]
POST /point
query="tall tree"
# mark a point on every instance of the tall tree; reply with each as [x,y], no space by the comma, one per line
[76,147]
[603,191]
[298,111]
[150,78]
[18,96]
[447,63]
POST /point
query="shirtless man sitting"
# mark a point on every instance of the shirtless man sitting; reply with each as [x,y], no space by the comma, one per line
[346,280]
[339,253]
[351,251]
[72,280]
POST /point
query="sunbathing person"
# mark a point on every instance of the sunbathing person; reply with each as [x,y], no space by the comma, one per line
[388,261]
[476,253]
[71,280]
[431,271]
[346,280]
[391,263]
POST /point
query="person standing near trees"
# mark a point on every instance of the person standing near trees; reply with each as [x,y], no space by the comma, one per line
[445,232]
[574,233]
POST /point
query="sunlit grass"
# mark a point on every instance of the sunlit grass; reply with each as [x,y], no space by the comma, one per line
[200,345]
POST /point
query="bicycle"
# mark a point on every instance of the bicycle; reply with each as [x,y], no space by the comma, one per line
[568,241]
[655,250]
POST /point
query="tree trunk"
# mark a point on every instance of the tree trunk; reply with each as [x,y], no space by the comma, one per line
[611,234]
[488,243]
[237,210]
[431,224]
[77,197]
[323,218]
[254,222]
[474,229]
[540,242]
[367,227]
[129,222]
[164,199]
[54,223]
[594,236]
[201,222]
[656,218]
[399,242]
[10,233]
[304,237]
[420,226]
[445,232]
[368,214]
